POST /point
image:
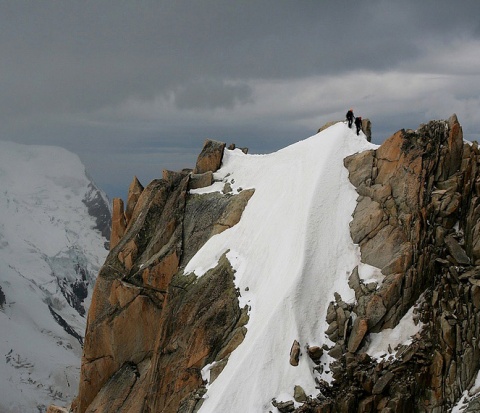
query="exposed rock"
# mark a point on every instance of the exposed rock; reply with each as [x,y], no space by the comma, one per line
[150,327]
[360,327]
[367,129]
[457,251]
[118,222]
[98,207]
[210,159]
[210,214]
[315,353]
[295,353]
[360,167]
[200,180]
[2,298]
[284,407]
[388,244]
[369,215]
[382,383]
[417,219]
[134,191]
[114,393]
[299,394]
[56,409]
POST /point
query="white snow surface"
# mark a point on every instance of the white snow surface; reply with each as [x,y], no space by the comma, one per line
[47,239]
[291,251]
[468,396]
[401,334]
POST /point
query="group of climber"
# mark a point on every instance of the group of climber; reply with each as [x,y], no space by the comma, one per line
[358,121]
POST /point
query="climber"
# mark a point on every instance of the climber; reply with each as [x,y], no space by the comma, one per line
[350,117]
[358,124]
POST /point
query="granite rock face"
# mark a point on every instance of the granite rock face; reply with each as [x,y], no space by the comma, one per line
[151,328]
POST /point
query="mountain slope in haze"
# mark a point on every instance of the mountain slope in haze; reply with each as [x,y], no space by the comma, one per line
[51,246]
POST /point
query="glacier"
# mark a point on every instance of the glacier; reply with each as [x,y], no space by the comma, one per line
[54,224]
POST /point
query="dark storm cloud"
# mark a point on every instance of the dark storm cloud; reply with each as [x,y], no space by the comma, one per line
[211,94]
[83,55]
[92,75]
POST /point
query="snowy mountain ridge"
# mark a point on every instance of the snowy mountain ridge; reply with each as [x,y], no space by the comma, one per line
[51,247]
[330,276]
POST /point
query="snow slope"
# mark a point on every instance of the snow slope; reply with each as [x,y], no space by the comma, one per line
[49,256]
[291,251]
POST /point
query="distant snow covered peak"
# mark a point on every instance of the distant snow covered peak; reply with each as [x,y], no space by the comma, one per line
[51,246]
[291,251]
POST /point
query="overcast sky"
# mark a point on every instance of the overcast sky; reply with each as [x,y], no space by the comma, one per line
[134,87]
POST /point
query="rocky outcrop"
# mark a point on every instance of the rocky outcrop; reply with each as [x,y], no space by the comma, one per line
[210,158]
[151,328]
[416,219]
[119,224]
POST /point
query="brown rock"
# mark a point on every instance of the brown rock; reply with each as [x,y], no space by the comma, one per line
[200,180]
[375,310]
[382,383]
[134,191]
[295,353]
[359,167]
[118,222]
[359,329]
[367,128]
[207,215]
[455,148]
[368,215]
[199,317]
[56,409]
[387,245]
[159,275]
[315,353]
[210,159]
[299,394]
[367,405]
[457,251]
[112,396]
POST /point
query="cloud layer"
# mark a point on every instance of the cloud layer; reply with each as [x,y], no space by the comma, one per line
[135,87]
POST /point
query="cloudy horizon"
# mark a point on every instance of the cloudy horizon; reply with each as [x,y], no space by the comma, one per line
[136,87]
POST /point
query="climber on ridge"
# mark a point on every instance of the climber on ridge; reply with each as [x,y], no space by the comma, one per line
[358,124]
[349,117]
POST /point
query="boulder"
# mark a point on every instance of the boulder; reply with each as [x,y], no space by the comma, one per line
[295,353]
[359,329]
[299,394]
[200,180]
[210,159]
